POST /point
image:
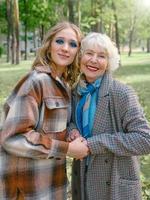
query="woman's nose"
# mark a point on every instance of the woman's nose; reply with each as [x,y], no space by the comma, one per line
[65,46]
[94,58]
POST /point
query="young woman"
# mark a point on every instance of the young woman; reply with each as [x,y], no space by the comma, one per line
[33,139]
[108,115]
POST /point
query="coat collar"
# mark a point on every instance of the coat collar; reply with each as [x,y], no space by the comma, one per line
[46,69]
[106,83]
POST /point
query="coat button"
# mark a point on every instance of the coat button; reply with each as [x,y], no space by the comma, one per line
[106,160]
[108,183]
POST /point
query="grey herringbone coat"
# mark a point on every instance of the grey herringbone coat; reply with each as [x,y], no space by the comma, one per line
[120,134]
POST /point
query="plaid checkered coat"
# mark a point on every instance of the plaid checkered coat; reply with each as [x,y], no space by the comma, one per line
[32,155]
[120,134]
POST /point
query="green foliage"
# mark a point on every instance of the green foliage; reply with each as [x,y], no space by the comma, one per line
[102,15]
[3,24]
[38,13]
[35,14]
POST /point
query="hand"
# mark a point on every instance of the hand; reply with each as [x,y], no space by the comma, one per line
[78,148]
[73,134]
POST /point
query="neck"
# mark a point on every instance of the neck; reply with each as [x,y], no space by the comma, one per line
[58,70]
[59,73]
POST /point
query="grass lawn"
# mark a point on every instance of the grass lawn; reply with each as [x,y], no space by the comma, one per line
[135,71]
[9,75]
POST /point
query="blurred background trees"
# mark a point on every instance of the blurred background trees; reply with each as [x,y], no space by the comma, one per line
[23,23]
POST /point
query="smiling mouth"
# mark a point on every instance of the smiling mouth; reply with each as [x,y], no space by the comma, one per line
[92,68]
[63,56]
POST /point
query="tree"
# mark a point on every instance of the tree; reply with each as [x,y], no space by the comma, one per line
[131,32]
[78,12]
[120,19]
[144,29]
[71,11]
[16,28]
[8,15]
[25,20]
[13,30]
[116,26]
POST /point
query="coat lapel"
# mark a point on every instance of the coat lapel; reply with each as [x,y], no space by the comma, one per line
[102,106]
[100,120]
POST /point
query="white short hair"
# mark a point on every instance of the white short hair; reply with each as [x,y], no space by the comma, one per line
[102,40]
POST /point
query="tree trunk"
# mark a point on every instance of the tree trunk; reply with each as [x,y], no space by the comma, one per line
[116,27]
[15,52]
[34,42]
[16,25]
[25,41]
[25,31]
[130,43]
[131,35]
[13,46]
[148,45]
[13,39]
[41,31]
[93,14]
[8,15]
[71,11]
[79,12]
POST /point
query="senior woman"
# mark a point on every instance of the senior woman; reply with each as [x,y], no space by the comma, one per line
[108,115]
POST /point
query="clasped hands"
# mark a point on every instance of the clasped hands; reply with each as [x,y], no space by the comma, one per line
[78,148]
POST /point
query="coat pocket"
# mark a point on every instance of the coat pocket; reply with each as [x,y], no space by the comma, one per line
[129,189]
[55,117]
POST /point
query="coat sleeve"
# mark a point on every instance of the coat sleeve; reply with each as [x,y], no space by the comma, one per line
[72,125]
[19,135]
[134,137]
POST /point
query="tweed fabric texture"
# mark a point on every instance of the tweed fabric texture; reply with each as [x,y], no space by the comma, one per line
[120,134]
[32,162]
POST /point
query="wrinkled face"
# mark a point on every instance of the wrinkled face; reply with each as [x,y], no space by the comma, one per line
[93,63]
[64,47]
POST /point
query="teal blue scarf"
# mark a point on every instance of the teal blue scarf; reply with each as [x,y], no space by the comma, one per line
[86,107]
